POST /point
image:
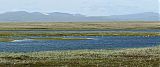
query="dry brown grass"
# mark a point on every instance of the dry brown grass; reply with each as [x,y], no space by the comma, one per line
[80,25]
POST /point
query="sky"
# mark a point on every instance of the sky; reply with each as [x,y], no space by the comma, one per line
[85,7]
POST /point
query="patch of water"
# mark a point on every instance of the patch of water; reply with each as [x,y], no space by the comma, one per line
[94,42]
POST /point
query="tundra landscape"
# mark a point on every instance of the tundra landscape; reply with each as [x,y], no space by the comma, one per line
[79,33]
[69,55]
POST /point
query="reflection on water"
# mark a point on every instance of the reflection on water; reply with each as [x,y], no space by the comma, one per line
[22,40]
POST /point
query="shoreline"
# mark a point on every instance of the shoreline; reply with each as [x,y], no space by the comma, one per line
[81,34]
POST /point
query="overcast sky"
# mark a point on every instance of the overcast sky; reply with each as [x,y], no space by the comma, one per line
[86,7]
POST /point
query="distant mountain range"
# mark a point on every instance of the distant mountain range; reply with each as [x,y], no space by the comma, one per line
[22,16]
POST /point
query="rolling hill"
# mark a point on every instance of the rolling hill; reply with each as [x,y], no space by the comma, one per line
[22,16]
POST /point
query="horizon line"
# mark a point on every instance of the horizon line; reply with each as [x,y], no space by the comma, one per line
[47,13]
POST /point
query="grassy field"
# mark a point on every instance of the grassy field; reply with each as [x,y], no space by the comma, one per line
[5,36]
[81,34]
[137,57]
[78,25]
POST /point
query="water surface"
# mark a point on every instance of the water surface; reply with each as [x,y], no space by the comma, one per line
[96,42]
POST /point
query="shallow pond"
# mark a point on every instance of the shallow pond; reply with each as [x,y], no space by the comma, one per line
[93,42]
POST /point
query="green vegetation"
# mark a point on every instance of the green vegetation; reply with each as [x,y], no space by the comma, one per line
[139,57]
[6,40]
[79,25]
[82,34]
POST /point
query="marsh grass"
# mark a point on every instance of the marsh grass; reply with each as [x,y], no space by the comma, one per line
[139,57]
[6,40]
[123,25]
[82,34]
